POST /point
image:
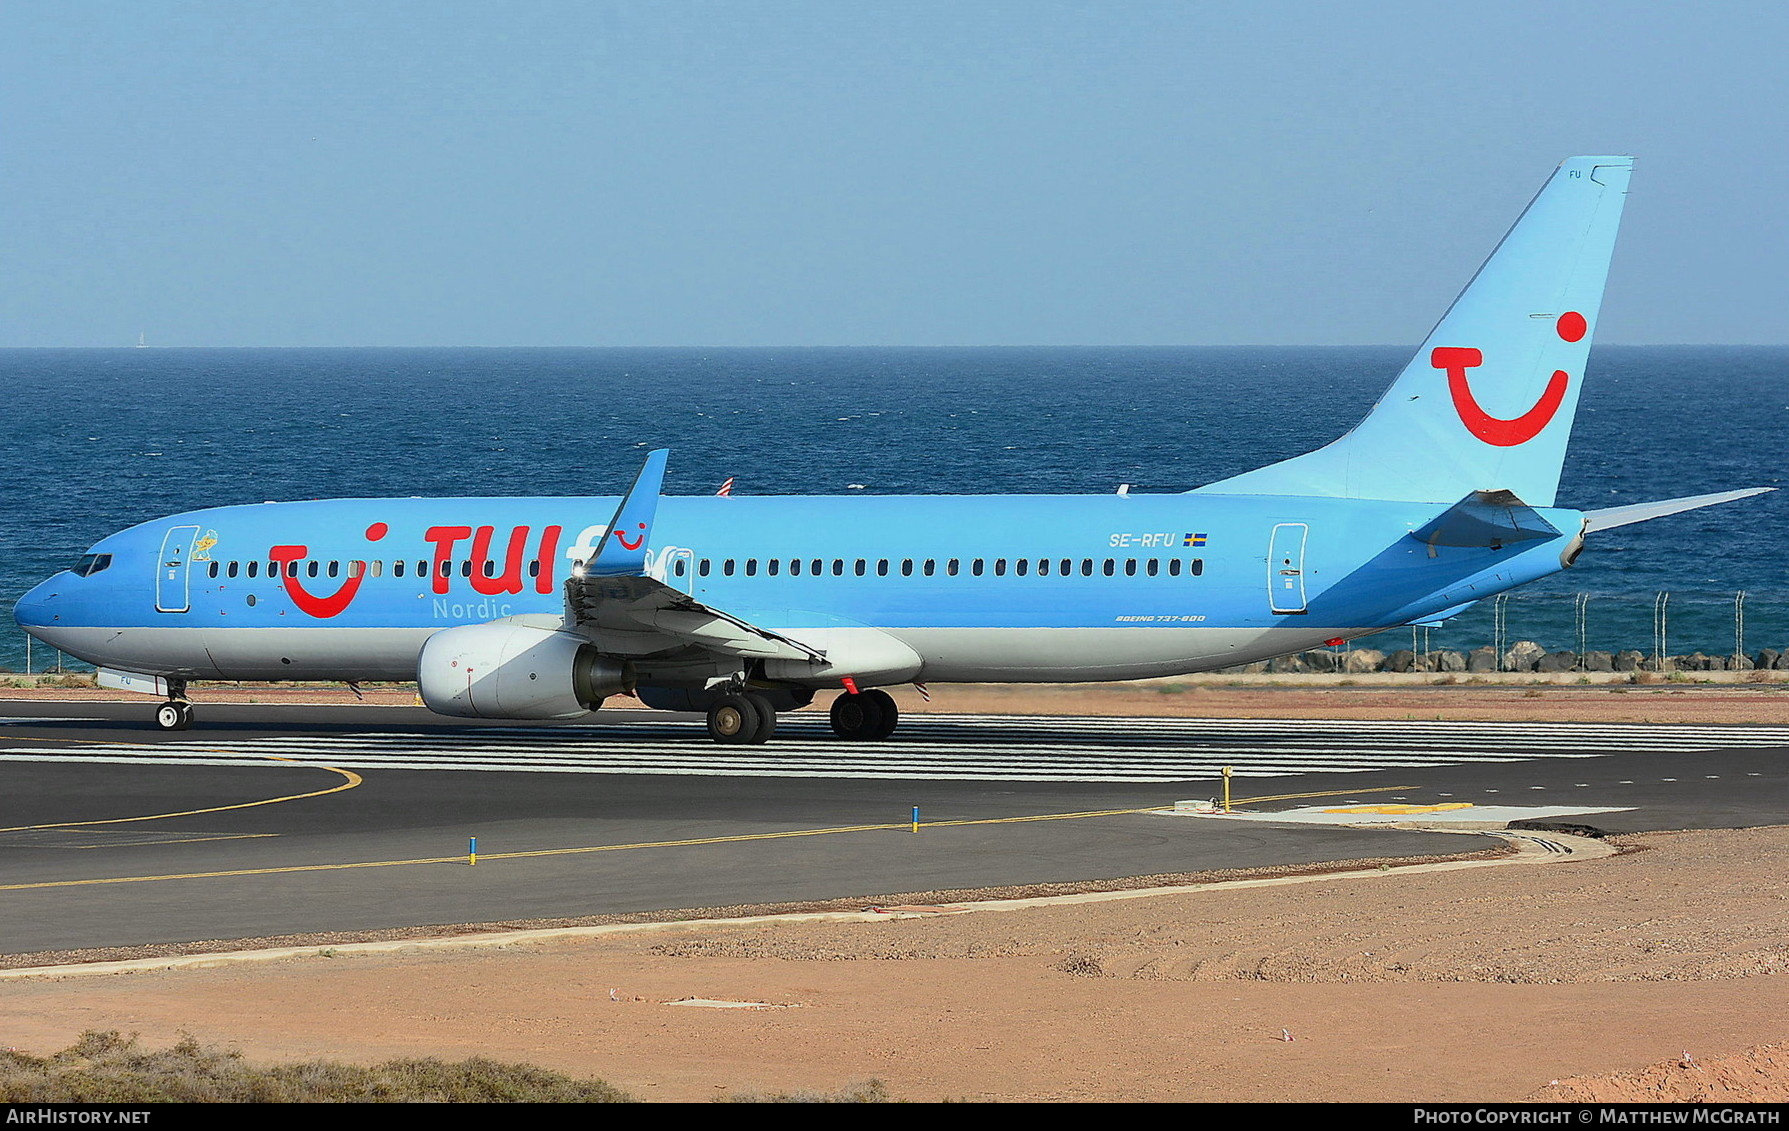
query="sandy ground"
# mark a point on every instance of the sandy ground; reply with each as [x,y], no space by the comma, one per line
[1657,974]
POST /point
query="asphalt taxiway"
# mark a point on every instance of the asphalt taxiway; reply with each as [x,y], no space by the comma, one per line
[265,821]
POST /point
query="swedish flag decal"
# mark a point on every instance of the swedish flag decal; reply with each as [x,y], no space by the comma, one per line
[1193,540]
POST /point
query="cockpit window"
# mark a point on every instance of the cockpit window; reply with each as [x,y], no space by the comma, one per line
[91,564]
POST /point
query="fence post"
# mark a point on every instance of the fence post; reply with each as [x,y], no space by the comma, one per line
[1739,628]
[1581,611]
[1499,626]
[1659,624]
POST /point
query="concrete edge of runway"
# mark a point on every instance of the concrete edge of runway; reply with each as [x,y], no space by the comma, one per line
[1522,847]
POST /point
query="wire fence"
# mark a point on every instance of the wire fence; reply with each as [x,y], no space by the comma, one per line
[1666,630]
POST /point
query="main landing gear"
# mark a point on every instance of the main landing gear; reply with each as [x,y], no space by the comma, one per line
[741,718]
[175,714]
[868,715]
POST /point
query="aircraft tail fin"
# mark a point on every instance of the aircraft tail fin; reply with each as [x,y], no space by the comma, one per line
[1488,401]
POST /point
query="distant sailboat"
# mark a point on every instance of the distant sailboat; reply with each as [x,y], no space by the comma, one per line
[141,344]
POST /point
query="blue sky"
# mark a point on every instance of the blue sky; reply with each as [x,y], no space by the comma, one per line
[710,173]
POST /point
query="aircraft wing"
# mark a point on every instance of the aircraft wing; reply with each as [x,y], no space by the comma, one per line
[641,615]
[628,612]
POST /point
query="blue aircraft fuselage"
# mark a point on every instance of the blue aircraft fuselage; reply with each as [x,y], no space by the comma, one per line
[1051,586]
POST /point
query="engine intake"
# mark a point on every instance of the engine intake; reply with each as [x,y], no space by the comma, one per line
[514,671]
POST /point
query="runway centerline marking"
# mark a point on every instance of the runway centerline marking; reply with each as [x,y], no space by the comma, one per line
[585,850]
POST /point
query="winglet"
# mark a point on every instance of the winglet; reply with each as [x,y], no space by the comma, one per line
[623,552]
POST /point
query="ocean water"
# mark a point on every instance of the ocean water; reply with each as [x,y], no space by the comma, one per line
[96,440]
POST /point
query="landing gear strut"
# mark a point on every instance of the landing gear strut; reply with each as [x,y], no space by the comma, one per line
[741,718]
[868,715]
[175,714]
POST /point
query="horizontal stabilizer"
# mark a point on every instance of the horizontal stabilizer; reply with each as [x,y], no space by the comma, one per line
[1610,517]
[1436,620]
[1486,520]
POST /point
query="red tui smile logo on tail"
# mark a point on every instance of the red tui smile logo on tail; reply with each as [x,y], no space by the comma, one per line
[1570,327]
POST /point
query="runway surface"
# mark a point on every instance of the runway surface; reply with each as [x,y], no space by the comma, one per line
[951,747]
[274,820]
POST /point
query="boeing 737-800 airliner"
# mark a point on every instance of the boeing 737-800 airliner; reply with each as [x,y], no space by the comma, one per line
[510,608]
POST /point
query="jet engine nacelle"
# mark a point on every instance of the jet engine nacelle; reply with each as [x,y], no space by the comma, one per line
[514,671]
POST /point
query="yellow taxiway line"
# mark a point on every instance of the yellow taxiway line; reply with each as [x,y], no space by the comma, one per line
[585,850]
[352,779]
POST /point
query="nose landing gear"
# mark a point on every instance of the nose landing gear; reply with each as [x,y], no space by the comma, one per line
[175,714]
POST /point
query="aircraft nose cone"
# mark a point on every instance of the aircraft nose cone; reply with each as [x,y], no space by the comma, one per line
[34,609]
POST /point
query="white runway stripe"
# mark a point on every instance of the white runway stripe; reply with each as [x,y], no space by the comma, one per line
[1010,748]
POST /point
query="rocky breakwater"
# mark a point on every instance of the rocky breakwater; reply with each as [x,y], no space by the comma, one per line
[1522,656]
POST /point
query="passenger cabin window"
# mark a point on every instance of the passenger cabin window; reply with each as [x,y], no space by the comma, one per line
[1196,566]
[212,569]
[680,568]
[975,567]
[860,567]
[1111,567]
[772,566]
[397,568]
[312,567]
[727,567]
[999,567]
[230,570]
[702,567]
[253,568]
[751,567]
[882,567]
